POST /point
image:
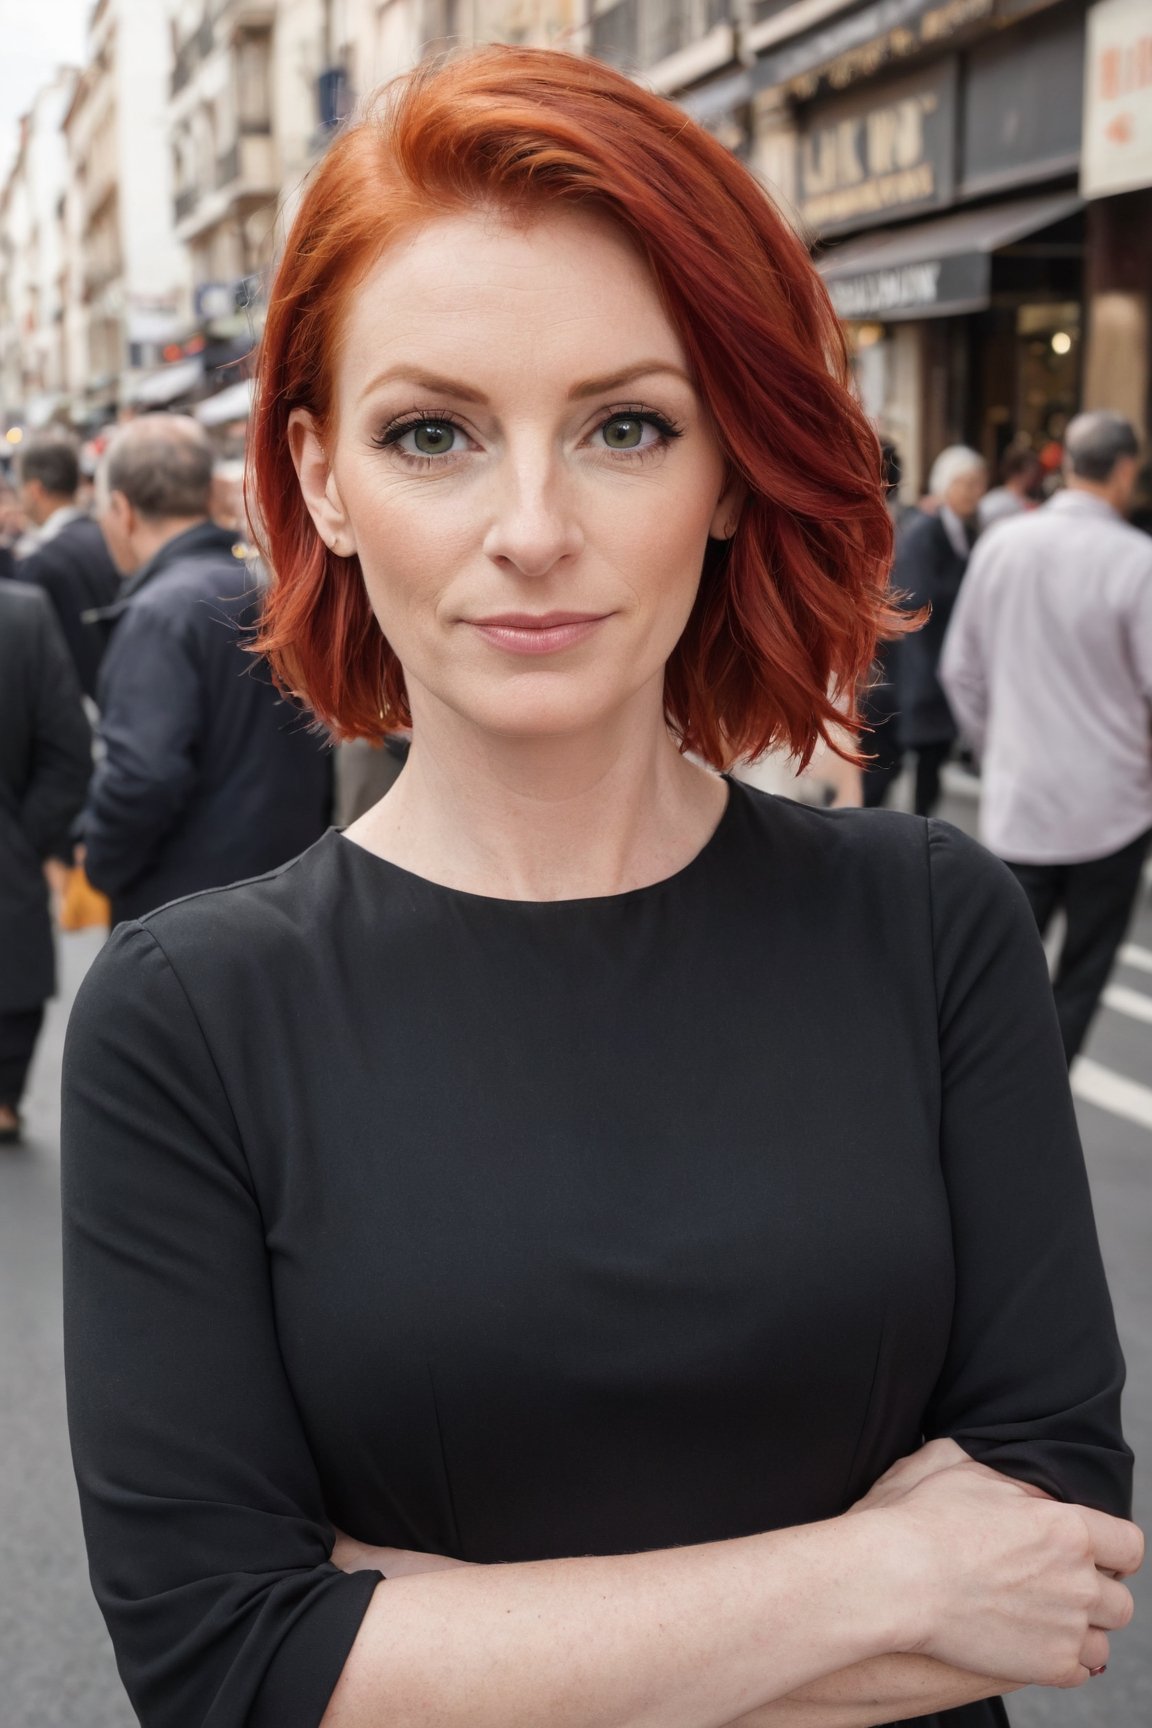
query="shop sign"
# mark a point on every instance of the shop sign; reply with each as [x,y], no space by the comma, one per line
[1117,153]
[881,154]
[862,44]
[934,288]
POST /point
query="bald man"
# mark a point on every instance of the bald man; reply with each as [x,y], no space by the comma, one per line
[208,776]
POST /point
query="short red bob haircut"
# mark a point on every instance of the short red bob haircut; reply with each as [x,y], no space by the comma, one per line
[787,616]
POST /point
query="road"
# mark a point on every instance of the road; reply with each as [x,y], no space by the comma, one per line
[56,1669]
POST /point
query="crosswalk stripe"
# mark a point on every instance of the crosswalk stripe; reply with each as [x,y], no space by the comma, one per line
[1128,1001]
[1100,1086]
[1133,955]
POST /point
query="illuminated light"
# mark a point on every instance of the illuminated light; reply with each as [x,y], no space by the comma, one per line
[1061,342]
[868,335]
[15,435]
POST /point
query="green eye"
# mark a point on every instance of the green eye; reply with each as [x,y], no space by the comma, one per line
[624,432]
[433,437]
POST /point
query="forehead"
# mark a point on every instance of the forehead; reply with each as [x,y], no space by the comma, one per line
[486,298]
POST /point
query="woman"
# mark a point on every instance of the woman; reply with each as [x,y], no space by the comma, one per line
[481,1309]
[931,557]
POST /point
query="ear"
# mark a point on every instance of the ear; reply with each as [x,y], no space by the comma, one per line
[123,514]
[318,484]
[726,516]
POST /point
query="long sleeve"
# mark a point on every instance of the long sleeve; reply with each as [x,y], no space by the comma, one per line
[151,699]
[963,672]
[61,744]
[1033,1374]
[203,1513]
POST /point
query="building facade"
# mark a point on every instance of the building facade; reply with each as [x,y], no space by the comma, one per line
[33,279]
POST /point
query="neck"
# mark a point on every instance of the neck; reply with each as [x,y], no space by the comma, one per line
[598,812]
[152,536]
[1106,490]
[50,506]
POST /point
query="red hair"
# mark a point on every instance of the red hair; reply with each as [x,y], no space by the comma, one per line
[787,616]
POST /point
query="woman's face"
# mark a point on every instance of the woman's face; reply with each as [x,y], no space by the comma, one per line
[521,463]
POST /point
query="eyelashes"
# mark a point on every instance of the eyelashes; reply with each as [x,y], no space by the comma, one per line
[437,421]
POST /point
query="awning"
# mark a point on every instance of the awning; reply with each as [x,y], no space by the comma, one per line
[234,402]
[934,269]
[167,385]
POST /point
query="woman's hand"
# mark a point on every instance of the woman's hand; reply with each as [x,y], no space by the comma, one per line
[908,1472]
[352,1556]
[1003,1580]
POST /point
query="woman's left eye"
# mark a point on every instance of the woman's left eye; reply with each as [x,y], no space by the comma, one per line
[425,437]
[633,432]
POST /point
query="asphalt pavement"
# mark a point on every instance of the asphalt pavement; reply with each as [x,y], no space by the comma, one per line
[56,1668]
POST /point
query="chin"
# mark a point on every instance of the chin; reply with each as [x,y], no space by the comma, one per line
[527,714]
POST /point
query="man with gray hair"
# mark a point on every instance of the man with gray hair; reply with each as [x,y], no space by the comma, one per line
[1048,667]
[208,775]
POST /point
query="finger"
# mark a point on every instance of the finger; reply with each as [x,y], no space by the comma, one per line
[1094,1650]
[1117,1545]
[1114,1607]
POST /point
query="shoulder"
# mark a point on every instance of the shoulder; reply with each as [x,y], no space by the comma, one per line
[224,947]
[25,609]
[884,864]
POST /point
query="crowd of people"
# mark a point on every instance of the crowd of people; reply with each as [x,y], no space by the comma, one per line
[128,620]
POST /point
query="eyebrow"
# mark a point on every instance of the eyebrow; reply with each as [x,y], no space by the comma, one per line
[434,382]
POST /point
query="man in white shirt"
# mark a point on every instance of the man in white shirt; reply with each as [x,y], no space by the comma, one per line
[1048,667]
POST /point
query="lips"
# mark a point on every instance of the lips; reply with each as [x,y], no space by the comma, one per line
[537,632]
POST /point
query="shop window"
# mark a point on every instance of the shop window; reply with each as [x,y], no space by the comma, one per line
[253,93]
[1048,370]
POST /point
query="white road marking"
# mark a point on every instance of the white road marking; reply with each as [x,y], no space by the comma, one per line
[1128,1001]
[1140,958]
[1100,1086]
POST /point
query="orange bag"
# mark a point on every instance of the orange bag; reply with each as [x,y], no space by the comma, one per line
[81,907]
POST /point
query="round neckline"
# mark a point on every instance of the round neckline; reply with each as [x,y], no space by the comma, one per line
[628,895]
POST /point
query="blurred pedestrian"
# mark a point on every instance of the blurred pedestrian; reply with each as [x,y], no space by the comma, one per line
[208,774]
[932,555]
[68,558]
[12,525]
[1020,478]
[45,761]
[881,743]
[1048,665]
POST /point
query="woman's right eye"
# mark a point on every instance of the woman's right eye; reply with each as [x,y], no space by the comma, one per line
[427,438]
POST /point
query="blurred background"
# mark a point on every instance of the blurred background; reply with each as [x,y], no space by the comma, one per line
[974,178]
[975,175]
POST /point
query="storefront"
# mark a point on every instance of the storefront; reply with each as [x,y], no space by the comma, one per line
[1116,181]
[948,220]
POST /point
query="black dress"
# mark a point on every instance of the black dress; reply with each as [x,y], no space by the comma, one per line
[515,1230]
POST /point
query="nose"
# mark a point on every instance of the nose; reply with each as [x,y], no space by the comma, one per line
[534,523]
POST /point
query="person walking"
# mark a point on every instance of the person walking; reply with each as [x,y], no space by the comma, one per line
[1048,666]
[1020,477]
[208,775]
[69,559]
[45,761]
[932,554]
[884,757]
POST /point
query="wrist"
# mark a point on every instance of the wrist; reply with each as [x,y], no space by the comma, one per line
[895,1572]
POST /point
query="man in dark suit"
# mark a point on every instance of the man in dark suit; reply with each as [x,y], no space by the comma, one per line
[208,774]
[69,561]
[45,761]
[932,554]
